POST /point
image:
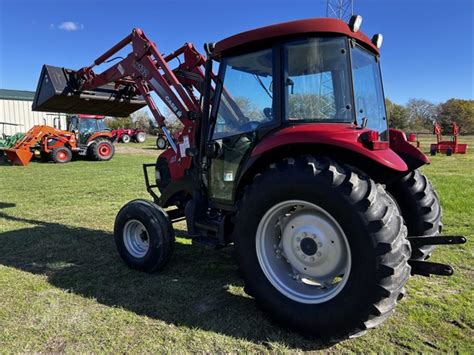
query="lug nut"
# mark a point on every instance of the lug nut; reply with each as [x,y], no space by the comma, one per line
[320,244]
[318,254]
[303,234]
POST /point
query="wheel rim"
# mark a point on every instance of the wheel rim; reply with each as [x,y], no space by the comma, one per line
[140,138]
[125,139]
[161,143]
[303,251]
[62,155]
[135,238]
[104,150]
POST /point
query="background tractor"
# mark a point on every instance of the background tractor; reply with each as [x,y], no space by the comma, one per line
[87,136]
[285,153]
[127,135]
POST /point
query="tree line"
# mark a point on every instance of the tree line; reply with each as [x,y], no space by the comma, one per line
[143,120]
[419,115]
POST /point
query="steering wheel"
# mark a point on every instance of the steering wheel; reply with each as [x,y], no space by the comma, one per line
[268,112]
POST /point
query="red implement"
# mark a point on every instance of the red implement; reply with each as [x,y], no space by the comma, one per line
[447,147]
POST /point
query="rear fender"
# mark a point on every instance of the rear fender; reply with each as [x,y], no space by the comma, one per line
[412,156]
[341,136]
[95,136]
[341,142]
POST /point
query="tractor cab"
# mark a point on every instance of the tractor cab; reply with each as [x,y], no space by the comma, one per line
[286,75]
[84,126]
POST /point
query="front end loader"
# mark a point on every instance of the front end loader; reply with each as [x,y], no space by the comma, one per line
[285,153]
[87,135]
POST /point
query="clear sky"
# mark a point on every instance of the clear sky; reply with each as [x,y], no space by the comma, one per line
[427,50]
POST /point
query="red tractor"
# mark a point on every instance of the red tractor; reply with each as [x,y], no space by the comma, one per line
[285,154]
[127,135]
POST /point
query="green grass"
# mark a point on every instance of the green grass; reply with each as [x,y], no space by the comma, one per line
[63,286]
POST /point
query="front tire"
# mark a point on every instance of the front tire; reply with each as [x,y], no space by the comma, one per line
[161,143]
[125,138]
[61,155]
[356,281]
[144,236]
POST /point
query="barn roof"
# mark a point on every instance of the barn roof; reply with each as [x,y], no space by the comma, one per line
[20,95]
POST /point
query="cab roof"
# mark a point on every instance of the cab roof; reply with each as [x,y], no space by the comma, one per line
[96,117]
[290,29]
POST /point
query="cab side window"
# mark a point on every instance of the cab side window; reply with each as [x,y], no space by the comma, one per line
[246,98]
[73,124]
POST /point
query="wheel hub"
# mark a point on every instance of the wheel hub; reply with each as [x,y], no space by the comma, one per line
[308,246]
[303,251]
[312,245]
[135,238]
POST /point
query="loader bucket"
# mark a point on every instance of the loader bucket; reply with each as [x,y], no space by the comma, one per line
[57,92]
[19,156]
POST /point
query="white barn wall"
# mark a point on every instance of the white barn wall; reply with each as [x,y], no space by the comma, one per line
[19,112]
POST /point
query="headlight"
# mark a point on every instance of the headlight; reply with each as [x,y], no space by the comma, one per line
[355,22]
[377,40]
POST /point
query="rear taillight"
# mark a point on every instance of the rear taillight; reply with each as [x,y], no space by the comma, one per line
[371,140]
[373,136]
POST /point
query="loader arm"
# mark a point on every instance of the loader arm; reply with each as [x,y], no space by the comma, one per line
[146,70]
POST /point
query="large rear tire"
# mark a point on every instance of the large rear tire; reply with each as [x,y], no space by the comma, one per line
[144,236]
[420,208]
[303,207]
[102,150]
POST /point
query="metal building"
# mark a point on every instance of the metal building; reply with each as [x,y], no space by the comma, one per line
[15,107]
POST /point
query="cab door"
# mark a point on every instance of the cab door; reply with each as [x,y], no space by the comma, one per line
[245,105]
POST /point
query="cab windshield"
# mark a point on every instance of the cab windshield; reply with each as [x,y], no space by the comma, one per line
[92,125]
[324,79]
[317,80]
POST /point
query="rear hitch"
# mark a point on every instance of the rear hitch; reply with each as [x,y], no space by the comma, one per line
[427,268]
[436,240]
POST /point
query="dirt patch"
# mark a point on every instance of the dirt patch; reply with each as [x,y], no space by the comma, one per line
[136,149]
